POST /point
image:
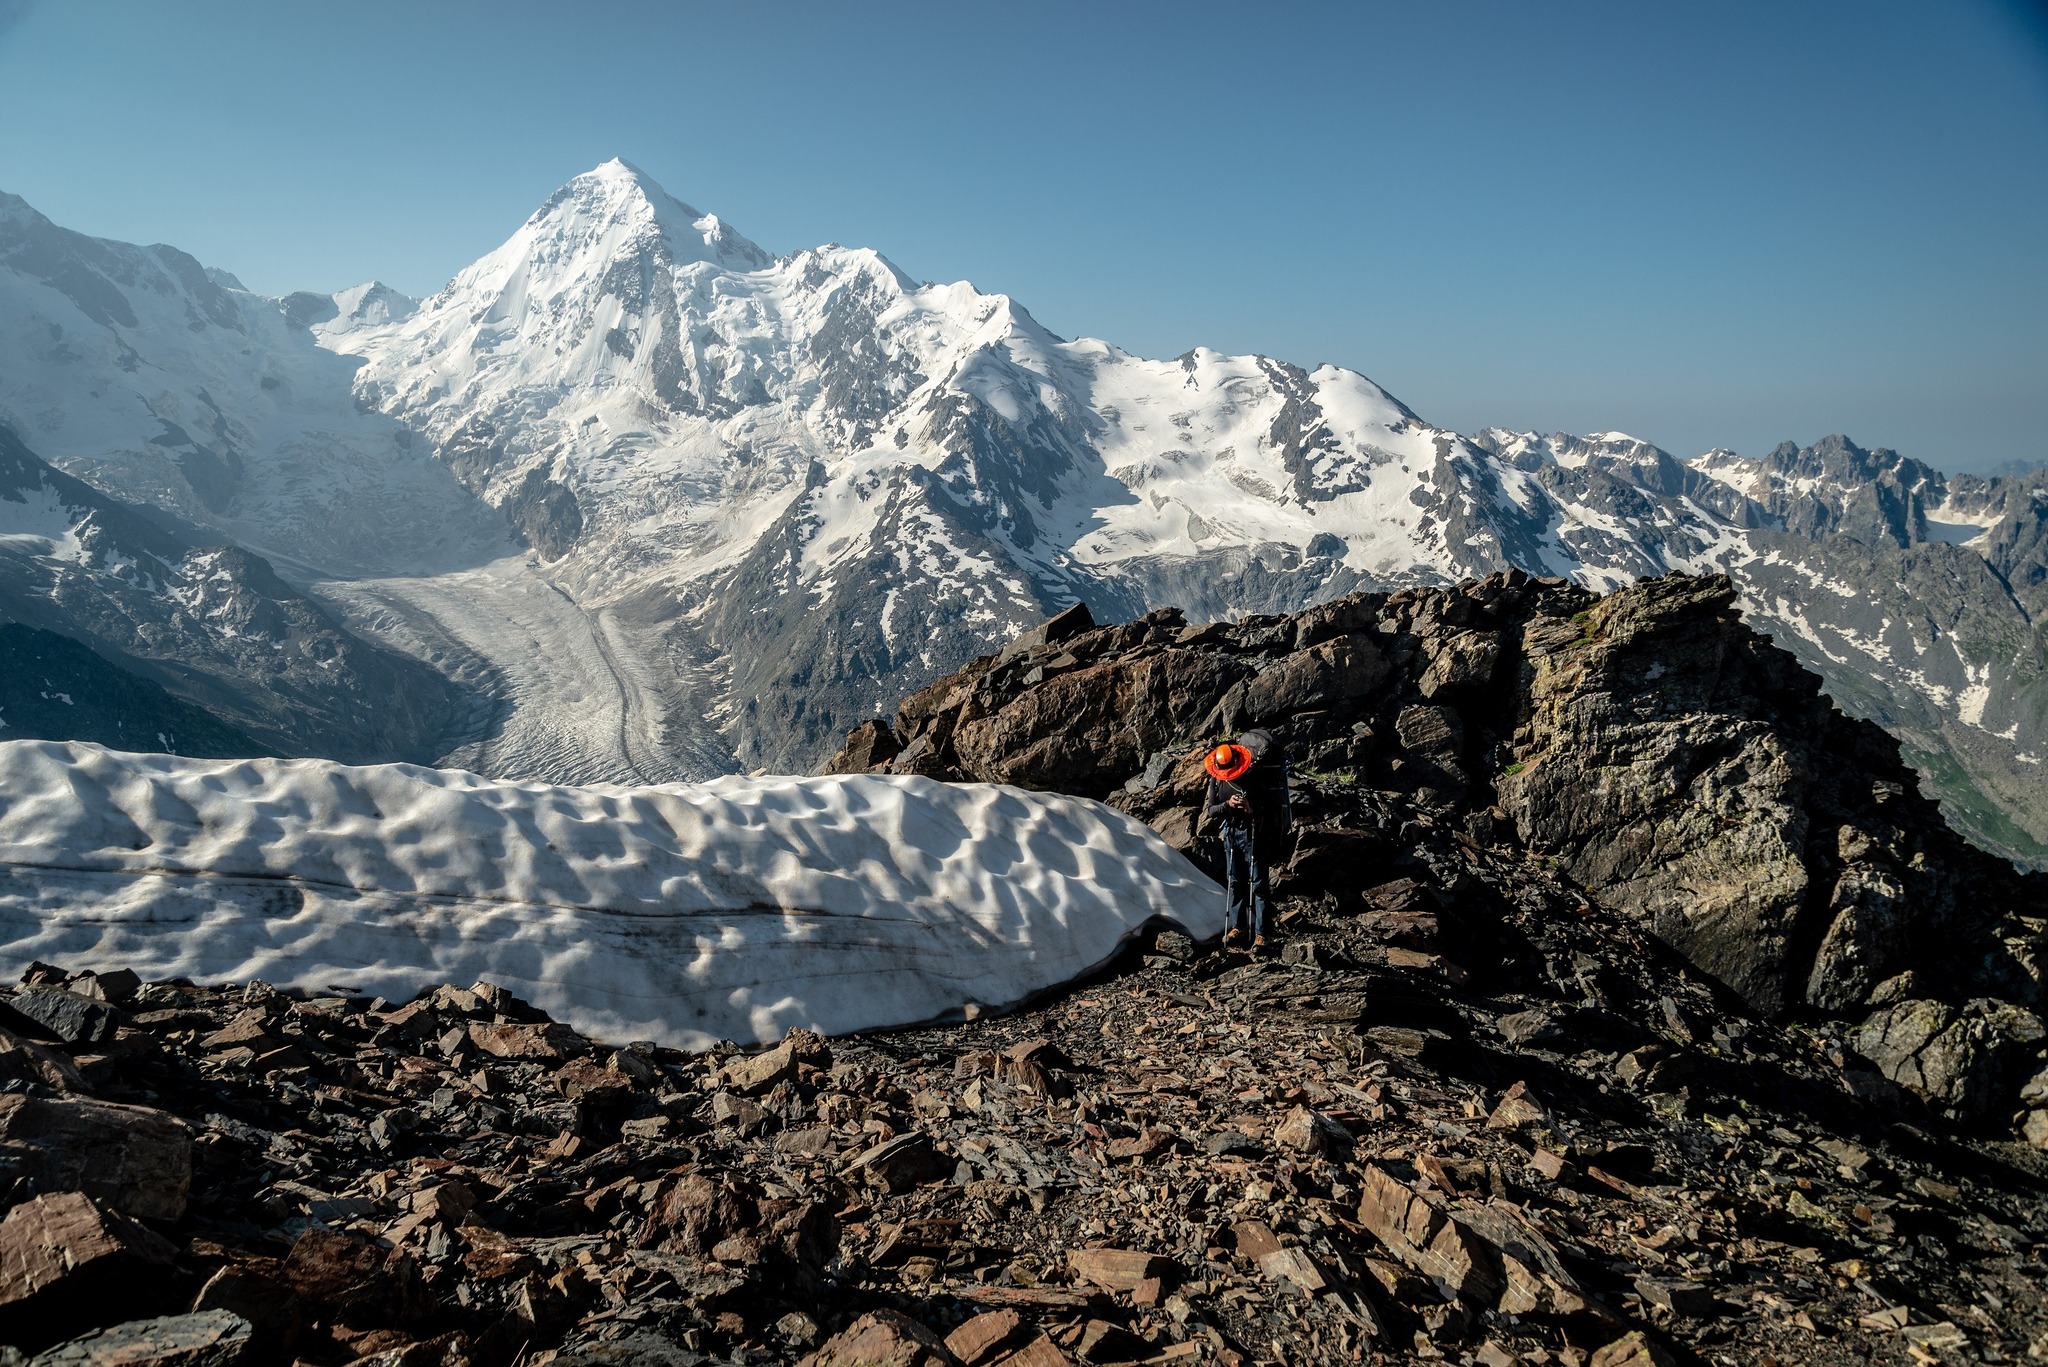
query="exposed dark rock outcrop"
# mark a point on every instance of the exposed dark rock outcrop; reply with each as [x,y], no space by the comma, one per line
[55,688]
[1649,747]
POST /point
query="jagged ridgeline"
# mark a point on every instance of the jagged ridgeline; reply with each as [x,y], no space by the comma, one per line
[1646,748]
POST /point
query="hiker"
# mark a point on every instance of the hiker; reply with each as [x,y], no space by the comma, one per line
[1247,803]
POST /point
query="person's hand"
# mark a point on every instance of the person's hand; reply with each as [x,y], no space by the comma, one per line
[1237,803]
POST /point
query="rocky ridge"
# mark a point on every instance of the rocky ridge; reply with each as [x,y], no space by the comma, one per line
[252,665]
[1647,749]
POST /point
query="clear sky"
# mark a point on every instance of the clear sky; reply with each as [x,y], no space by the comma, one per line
[1704,224]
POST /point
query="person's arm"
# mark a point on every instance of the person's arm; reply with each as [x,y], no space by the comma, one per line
[1217,800]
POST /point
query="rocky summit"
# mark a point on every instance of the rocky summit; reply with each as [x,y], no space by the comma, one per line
[1631,1006]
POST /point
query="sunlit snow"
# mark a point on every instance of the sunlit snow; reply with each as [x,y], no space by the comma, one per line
[732,909]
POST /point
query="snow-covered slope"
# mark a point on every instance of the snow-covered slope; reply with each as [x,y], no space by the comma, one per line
[762,497]
[139,371]
[732,910]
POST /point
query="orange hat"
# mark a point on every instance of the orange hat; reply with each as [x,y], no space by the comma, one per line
[1228,763]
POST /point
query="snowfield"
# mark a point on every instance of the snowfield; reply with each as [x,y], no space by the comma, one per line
[732,909]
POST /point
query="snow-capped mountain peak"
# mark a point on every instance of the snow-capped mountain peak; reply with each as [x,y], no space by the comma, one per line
[767,496]
[617,198]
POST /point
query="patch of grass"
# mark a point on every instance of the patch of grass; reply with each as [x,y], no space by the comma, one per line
[1970,811]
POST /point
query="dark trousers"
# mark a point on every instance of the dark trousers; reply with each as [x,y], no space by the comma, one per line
[1245,878]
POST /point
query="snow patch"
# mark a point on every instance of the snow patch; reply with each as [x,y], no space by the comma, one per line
[41,525]
[733,909]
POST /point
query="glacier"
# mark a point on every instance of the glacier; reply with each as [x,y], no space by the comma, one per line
[733,909]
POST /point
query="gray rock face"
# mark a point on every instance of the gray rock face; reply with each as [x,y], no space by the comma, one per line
[67,1016]
[1692,775]
[1965,1060]
[1663,795]
[55,688]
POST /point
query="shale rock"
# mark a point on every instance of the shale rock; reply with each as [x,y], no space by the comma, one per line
[206,1338]
[29,1066]
[133,1158]
[67,1016]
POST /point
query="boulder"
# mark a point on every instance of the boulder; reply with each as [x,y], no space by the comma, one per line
[66,1015]
[1339,617]
[1329,674]
[756,1073]
[1087,731]
[1419,1230]
[883,1338]
[26,1065]
[1430,732]
[1632,1350]
[60,1257]
[361,1281]
[1534,1280]
[1460,661]
[1311,1132]
[1968,1061]
[1062,626]
[696,1214]
[733,1221]
[133,1158]
[985,1336]
[1866,940]
[204,1338]
[870,744]
[1117,1269]
[898,1164]
[118,986]
[544,1041]
[255,1289]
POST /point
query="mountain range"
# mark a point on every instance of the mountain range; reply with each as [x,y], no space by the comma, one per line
[635,499]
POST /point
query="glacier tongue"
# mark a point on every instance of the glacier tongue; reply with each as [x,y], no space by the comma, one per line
[734,909]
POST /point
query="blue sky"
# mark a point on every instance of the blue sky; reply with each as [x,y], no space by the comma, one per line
[1715,224]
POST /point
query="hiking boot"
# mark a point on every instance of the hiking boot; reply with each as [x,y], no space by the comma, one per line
[1232,938]
[1259,945]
